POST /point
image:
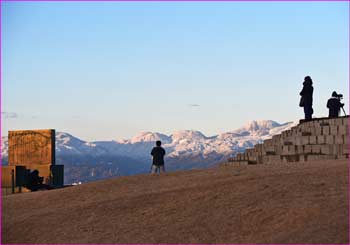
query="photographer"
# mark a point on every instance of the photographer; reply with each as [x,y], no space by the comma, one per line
[35,182]
[334,105]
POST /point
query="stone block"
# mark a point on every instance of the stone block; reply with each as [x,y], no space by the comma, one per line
[278,149]
[321,139]
[326,149]
[338,121]
[294,132]
[320,157]
[289,141]
[300,149]
[318,131]
[292,149]
[307,131]
[324,123]
[270,149]
[268,142]
[298,140]
[333,130]
[326,130]
[346,121]
[312,140]
[314,157]
[346,149]
[342,130]
[346,139]
[329,139]
[275,139]
[332,121]
[307,149]
[301,140]
[338,150]
[288,150]
[290,158]
[316,149]
[339,139]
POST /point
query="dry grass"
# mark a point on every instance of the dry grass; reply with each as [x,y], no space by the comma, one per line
[294,203]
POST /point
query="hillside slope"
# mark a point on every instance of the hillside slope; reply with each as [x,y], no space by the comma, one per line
[282,203]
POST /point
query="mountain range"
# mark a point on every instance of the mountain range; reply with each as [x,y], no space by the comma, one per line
[87,161]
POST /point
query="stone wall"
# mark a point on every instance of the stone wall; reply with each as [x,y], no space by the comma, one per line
[319,139]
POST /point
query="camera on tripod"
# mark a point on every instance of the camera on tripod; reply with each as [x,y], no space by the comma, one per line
[339,96]
[335,105]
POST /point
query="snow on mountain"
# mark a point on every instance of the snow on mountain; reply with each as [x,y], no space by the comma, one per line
[184,143]
[192,135]
[149,137]
[4,146]
[257,128]
[69,145]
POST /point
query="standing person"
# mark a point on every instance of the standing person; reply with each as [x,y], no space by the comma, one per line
[306,98]
[158,154]
[334,105]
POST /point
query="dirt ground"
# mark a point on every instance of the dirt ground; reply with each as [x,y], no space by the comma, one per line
[284,203]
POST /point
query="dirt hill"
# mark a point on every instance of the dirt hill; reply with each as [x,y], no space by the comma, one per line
[284,203]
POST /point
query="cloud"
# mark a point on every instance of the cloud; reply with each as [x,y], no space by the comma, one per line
[193,105]
[8,115]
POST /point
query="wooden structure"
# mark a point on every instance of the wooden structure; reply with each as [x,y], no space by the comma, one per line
[33,150]
[31,147]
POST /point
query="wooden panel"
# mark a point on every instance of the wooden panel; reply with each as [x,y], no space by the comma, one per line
[31,147]
[6,181]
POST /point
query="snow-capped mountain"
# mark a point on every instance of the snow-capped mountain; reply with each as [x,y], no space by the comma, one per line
[68,144]
[185,149]
[179,143]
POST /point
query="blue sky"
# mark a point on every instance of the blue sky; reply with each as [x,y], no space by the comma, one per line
[110,70]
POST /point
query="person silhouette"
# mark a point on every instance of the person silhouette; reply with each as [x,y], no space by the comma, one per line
[306,98]
[35,182]
[158,154]
[334,105]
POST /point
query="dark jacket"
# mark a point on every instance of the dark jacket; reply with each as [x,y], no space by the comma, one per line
[158,155]
[306,93]
[334,106]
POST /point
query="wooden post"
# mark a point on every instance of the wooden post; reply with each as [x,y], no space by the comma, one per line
[13,181]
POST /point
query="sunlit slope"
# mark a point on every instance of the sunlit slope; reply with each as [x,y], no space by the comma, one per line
[277,203]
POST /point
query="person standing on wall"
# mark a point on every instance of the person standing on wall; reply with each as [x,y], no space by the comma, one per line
[306,98]
[334,105]
[158,154]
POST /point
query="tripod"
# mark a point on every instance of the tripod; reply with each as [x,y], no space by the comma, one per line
[343,111]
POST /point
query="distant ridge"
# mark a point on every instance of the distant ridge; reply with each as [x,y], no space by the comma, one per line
[186,149]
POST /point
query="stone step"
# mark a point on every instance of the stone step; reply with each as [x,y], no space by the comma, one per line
[321,138]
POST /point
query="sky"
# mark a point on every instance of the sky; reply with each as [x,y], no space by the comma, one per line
[110,70]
